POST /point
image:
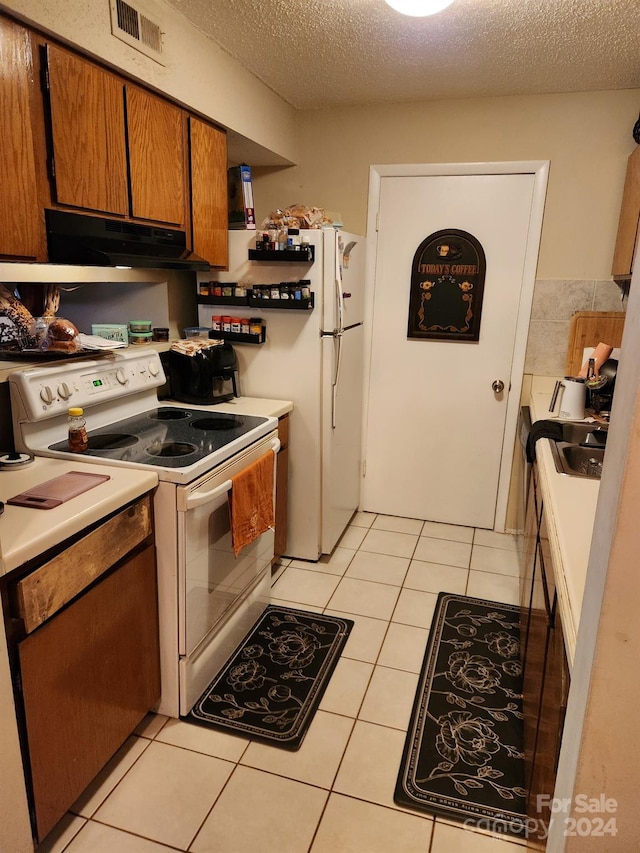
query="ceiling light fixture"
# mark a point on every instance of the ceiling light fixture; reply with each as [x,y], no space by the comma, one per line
[419,8]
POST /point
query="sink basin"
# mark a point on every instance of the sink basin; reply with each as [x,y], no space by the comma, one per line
[578,461]
[580,433]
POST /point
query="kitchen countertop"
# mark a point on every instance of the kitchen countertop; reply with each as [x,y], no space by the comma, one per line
[25,533]
[259,406]
[571,504]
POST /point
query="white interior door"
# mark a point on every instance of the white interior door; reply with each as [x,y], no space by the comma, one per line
[435,428]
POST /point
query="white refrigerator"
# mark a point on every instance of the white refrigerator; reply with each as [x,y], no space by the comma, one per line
[315,359]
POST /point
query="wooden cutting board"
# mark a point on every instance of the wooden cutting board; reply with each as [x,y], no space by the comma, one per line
[588,329]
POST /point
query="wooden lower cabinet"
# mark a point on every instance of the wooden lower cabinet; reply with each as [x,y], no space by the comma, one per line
[87,674]
[282,489]
[553,703]
[546,672]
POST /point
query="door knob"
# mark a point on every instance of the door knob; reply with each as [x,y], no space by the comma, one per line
[498,386]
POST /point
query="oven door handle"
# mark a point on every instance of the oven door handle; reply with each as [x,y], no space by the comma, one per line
[199,498]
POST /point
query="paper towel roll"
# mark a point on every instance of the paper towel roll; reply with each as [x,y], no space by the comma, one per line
[600,354]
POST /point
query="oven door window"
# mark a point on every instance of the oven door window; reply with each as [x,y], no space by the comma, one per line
[212,581]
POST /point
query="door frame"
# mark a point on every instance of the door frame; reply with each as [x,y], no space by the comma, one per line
[540,170]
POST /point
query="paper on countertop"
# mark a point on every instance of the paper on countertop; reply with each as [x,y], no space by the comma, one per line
[95,342]
[191,346]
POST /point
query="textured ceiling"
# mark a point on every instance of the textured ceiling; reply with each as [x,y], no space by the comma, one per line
[323,53]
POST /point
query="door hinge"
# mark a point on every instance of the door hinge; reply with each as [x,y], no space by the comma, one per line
[364,467]
[52,166]
[377,220]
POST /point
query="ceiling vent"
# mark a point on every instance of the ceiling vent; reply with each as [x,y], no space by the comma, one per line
[132,26]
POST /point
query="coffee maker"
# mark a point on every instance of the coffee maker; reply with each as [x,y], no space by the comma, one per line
[207,377]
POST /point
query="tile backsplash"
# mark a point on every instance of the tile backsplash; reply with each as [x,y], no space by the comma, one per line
[554,303]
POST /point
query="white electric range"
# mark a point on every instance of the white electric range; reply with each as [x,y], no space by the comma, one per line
[208,599]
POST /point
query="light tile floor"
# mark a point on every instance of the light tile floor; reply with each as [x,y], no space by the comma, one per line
[175,786]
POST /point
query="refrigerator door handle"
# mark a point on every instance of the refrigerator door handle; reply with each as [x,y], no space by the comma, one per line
[340,304]
[336,378]
[338,284]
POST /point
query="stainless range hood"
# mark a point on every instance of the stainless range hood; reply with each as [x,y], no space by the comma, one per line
[73,238]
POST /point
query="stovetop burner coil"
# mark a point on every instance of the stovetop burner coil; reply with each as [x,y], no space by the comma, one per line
[171,448]
[218,422]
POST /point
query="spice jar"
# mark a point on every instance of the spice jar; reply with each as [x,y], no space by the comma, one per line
[78,440]
[216,323]
[293,239]
[255,325]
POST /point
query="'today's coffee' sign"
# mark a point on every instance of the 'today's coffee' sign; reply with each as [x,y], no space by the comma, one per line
[447,286]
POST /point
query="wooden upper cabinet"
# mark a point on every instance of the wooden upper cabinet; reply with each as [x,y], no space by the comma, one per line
[629,222]
[156,130]
[209,217]
[22,235]
[88,134]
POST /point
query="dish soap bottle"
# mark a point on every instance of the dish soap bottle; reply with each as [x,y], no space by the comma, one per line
[78,440]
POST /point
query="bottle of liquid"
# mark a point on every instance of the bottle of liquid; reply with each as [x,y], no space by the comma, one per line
[78,440]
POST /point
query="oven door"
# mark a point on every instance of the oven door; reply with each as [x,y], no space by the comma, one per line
[220,596]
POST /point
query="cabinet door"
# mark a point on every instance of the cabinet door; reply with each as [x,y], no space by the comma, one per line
[627,237]
[21,222]
[89,675]
[209,217]
[555,690]
[88,134]
[282,490]
[156,158]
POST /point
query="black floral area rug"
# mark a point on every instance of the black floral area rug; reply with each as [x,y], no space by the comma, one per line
[464,753]
[271,686]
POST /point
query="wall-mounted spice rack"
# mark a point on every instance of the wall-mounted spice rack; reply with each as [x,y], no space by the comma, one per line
[223,300]
[300,256]
[303,304]
[239,337]
[288,304]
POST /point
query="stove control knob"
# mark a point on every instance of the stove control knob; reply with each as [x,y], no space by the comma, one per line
[46,395]
[121,376]
[153,368]
[64,391]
